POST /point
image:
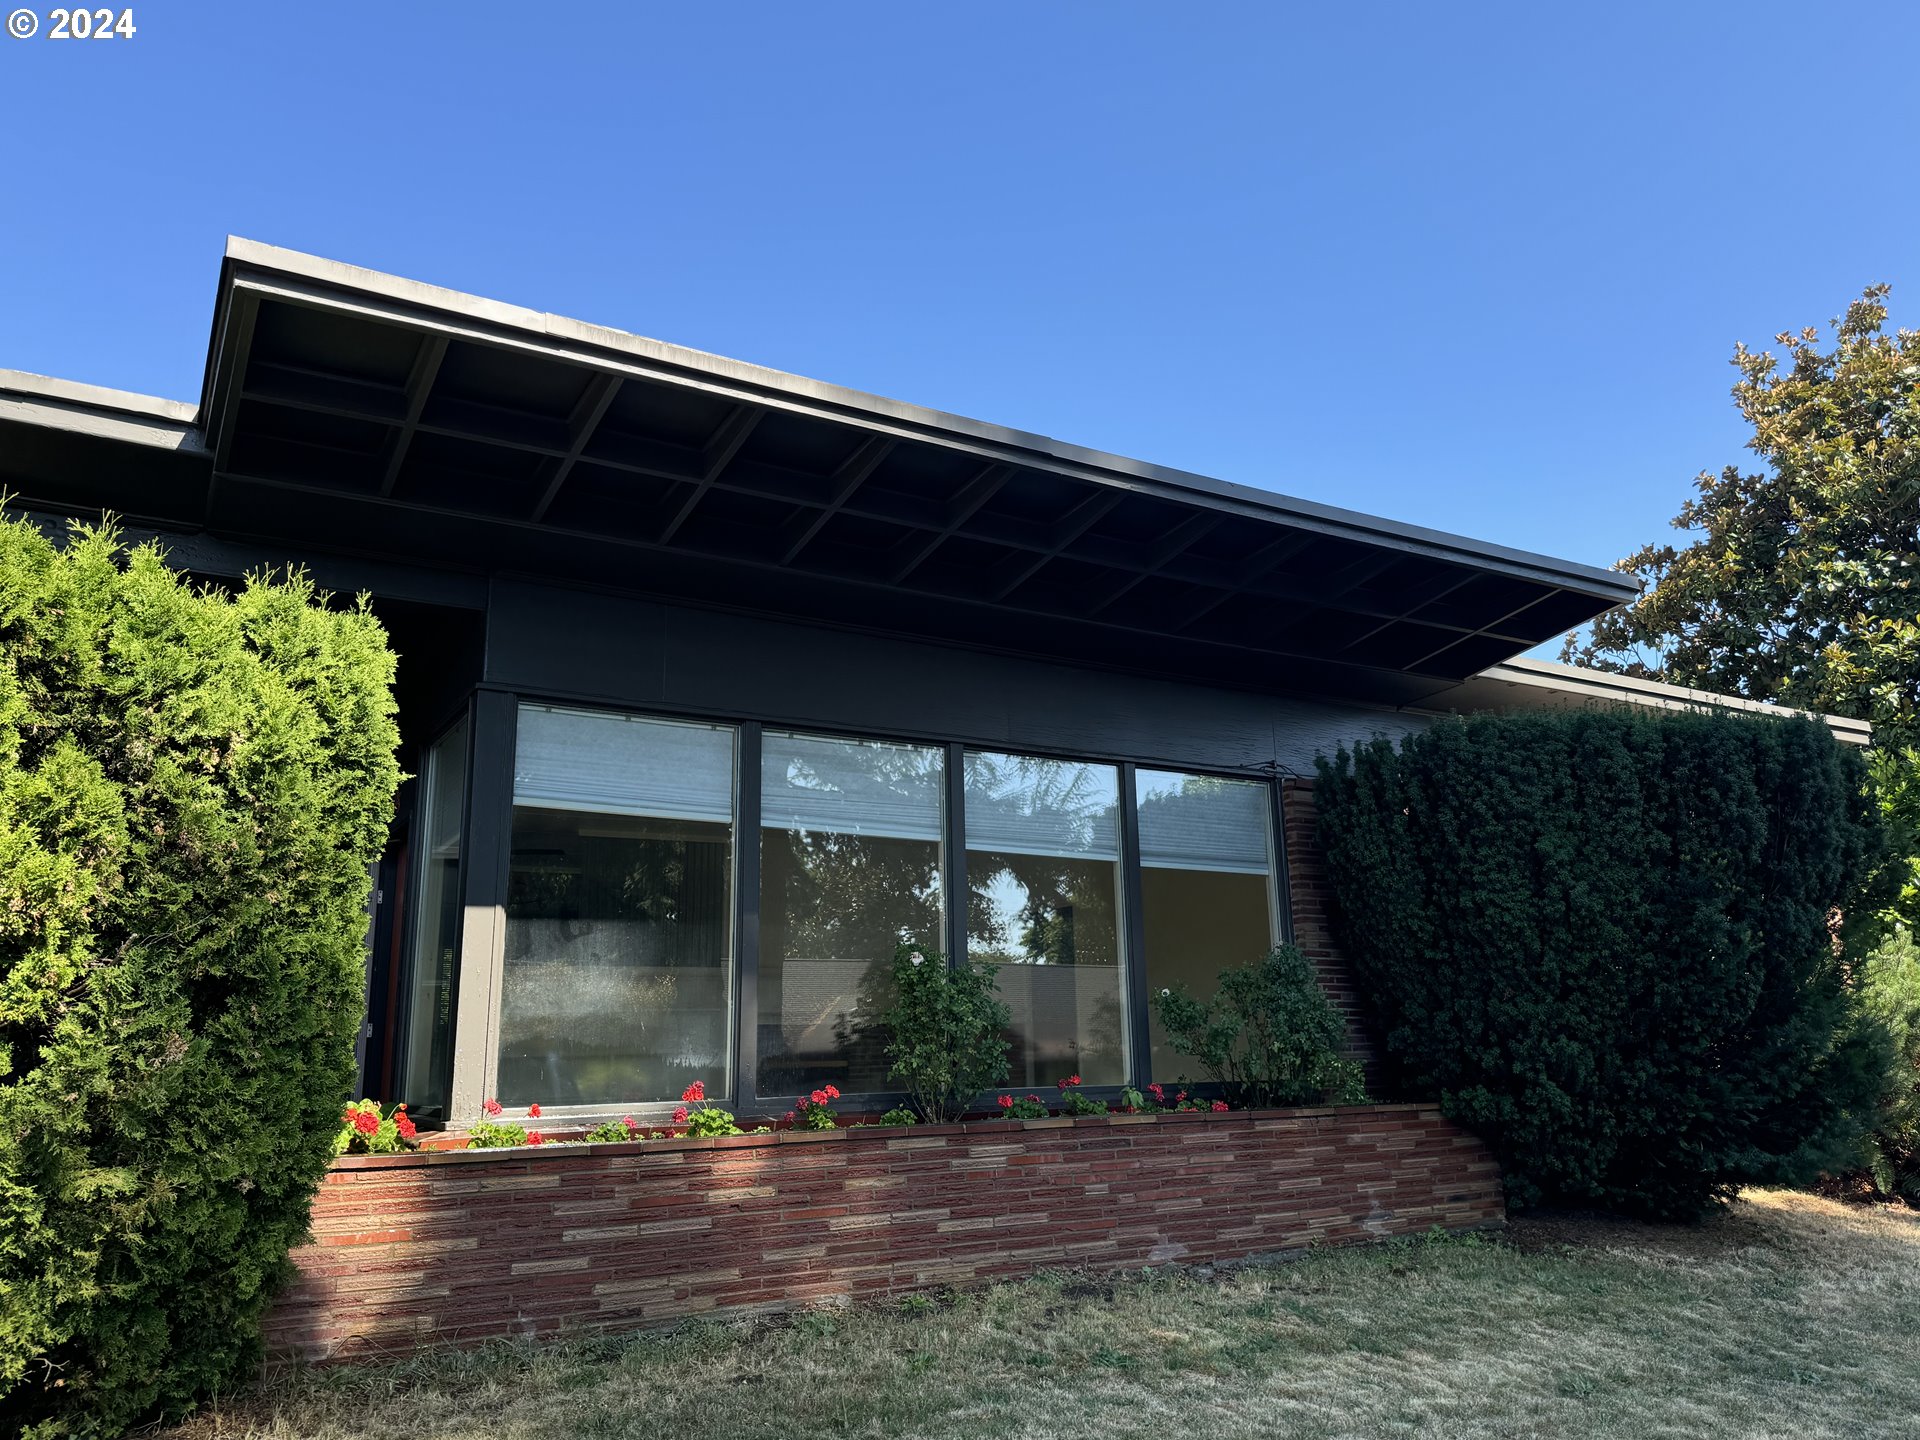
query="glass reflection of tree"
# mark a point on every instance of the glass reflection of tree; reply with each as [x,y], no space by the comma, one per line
[1065,913]
[849,896]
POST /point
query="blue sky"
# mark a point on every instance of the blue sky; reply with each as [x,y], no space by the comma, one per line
[1474,267]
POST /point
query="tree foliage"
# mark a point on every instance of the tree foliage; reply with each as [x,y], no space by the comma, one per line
[1269,1034]
[1607,942]
[192,788]
[1799,581]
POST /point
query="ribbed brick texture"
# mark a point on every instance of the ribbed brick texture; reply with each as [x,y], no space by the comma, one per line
[1312,929]
[460,1246]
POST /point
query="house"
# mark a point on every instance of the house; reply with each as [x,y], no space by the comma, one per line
[717,683]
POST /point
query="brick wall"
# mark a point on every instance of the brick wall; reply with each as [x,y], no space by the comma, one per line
[465,1245]
[1312,932]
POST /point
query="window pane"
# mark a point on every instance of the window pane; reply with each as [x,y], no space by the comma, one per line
[619,978]
[436,922]
[850,867]
[1043,881]
[1206,888]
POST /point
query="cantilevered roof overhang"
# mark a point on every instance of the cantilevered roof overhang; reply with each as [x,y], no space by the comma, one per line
[353,411]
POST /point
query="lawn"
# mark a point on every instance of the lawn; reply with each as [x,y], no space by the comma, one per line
[1785,1315]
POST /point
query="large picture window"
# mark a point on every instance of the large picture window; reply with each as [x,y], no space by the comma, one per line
[1206,887]
[618,984]
[1043,882]
[850,868]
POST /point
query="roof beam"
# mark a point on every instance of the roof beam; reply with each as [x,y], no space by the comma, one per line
[715,456]
[1075,523]
[985,484]
[1268,558]
[1177,541]
[846,480]
[236,347]
[426,366]
[588,412]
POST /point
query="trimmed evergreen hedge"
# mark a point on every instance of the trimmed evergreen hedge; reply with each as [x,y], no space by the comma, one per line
[1604,940]
[192,788]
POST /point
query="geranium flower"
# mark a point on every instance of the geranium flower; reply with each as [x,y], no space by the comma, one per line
[697,1091]
[789,1117]
[818,1097]
[1220,1105]
[363,1122]
[833,1092]
[402,1124]
[628,1121]
[534,1111]
[680,1115]
[534,1137]
[492,1107]
[1006,1102]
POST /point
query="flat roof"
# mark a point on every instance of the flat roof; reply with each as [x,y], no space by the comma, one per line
[346,409]
[1525,684]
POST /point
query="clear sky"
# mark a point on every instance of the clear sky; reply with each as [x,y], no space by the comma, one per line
[1474,267]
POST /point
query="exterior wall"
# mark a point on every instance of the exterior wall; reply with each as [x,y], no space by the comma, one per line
[626,651]
[463,1246]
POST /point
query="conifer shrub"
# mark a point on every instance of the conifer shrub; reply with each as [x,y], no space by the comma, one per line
[1616,944]
[192,788]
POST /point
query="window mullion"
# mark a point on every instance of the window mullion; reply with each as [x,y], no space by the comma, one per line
[746,914]
[1133,948]
[956,856]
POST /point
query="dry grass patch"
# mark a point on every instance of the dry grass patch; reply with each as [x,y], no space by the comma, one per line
[1787,1315]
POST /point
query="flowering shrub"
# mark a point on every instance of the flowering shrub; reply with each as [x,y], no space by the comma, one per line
[1031,1107]
[366,1130]
[700,1117]
[1269,1035]
[608,1131]
[811,1113]
[949,1032]
[1077,1103]
[494,1133]
[899,1115]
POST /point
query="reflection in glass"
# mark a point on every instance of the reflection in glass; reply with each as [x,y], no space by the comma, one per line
[618,987]
[1206,888]
[850,868]
[436,923]
[1043,881]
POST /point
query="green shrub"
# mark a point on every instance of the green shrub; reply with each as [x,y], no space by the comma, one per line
[1890,996]
[899,1115]
[609,1132]
[192,789]
[1269,1035]
[947,1031]
[1604,940]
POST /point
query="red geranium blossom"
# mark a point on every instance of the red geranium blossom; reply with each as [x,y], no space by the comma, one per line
[628,1121]
[680,1115]
[789,1117]
[1069,1082]
[818,1097]
[403,1124]
[534,1111]
[534,1137]
[363,1122]
[1220,1105]
[696,1091]
[1006,1102]
[492,1107]
[833,1092]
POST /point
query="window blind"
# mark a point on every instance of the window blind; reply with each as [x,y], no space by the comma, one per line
[1199,822]
[851,787]
[1024,805]
[608,764]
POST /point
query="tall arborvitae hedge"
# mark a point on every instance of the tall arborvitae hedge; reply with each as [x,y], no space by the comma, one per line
[192,787]
[1611,943]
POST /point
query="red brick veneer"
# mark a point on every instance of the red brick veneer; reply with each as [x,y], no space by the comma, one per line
[1308,897]
[464,1245]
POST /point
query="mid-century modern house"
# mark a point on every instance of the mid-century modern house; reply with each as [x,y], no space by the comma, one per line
[718,683]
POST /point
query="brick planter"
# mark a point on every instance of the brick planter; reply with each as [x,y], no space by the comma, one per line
[461,1246]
